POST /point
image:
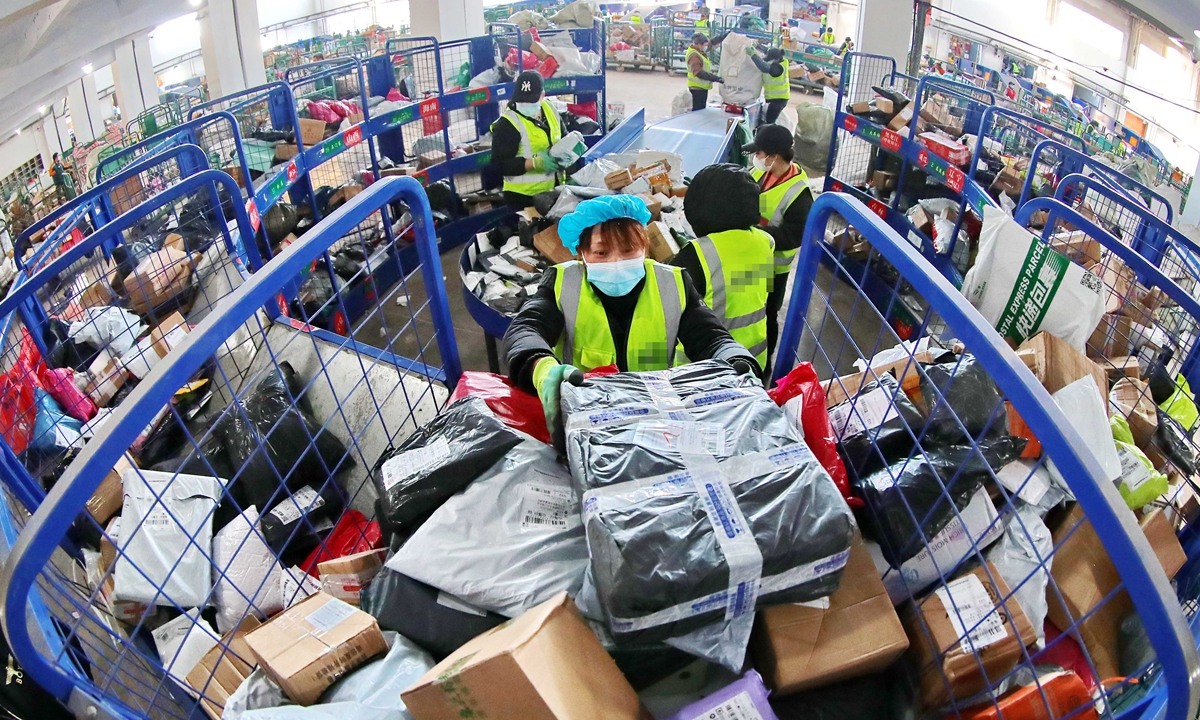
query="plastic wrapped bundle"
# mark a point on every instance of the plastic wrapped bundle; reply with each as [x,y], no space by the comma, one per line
[662,388]
[662,570]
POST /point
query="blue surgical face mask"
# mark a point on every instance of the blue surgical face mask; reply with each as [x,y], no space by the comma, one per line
[617,278]
[529,110]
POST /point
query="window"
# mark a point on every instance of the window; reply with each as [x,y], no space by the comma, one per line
[21,177]
[1086,28]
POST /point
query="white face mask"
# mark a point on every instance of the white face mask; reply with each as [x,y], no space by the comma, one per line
[529,110]
[759,163]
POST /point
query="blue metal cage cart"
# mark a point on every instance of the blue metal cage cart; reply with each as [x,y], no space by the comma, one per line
[361,393]
[909,416]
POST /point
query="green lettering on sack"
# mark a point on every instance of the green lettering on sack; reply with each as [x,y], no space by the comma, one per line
[1036,285]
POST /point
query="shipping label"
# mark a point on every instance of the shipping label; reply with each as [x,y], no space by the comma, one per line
[414,462]
[866,412]
[545,507]
[972,613]
[301,503]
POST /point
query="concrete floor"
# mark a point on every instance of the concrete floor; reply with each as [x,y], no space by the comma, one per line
[653,90]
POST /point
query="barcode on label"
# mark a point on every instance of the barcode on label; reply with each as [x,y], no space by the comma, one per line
[865,413]
[302,502]
[546,508]
[972,613]
[1134,472]
[413,462]
[157,519]
[738,707]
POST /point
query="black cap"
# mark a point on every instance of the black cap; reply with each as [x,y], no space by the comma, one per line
[771,139]
[528,87]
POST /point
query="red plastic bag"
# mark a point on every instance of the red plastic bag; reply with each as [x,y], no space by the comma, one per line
[548,67]
[620,45]
[60,384]
[516,408]
[339,108]
[587,109]
[527,60]
[352,534]
[431,124]
[803,385]
[321,111]
[1063,651]
[394,95]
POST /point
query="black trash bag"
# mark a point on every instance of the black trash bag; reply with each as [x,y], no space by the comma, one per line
[21,698]
[872,697]
[543,201]
[865,451]
[349,264]
[272,439]
[424,614]
[63,351]
[919,480]
[280,221]
[314,302]
[442,457]
[642,665]
[1171,438]
[961,389]
[582,124]
[442,198]
[294,524]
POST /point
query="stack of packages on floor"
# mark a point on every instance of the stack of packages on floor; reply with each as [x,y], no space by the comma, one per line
[506,262]
[629,44]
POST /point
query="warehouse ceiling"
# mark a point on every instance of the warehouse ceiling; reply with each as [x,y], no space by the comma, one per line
[1180,18]
[44,45]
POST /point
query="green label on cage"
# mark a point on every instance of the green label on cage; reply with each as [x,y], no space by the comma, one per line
[278,185]
[333,146]
[556,85]
[476,97]
[1035,288]
[401,117]
[871,132]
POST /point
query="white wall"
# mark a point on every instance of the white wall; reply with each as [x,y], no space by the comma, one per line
[17,150]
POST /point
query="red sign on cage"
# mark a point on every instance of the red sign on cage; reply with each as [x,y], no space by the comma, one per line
[878,208]
[430,107]
[890,140]
[252,212]
[851,123]
[836,186]
[292,172]
[353,136]
[955,178]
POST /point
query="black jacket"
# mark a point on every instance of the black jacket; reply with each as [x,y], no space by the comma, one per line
[774,69]
[506,146]
[535,331]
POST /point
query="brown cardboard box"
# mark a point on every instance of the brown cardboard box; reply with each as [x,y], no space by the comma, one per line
[107,377]
[1119,367]
[544,665]
[345,577]
[548,243]
[902,118]
[223,669]
[1007,181]
[1113,336]
[539,50]
[817,77]
[93,287]
[883,105]
[128,194]
[1131,397]
[1057,364]
[944,662]
[797,71]
[883,181]
[311,131]
[618,179]
[859,108]
[1085,576]
[653,205]
[313,643]
[168,334]
[1078,246]
[345,193]
[286,151]
[433,157]
[656,174]
[109,497]
[797,647]
[679,191]
[920,219]
[235,172]
[157,279]
[662,244]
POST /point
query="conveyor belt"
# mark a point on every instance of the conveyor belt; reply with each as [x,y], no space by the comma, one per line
[701,137]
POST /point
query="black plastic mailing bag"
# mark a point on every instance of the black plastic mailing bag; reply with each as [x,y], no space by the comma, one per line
[661,570]
[439,459]
[961,389]
[653,388]
[876,427]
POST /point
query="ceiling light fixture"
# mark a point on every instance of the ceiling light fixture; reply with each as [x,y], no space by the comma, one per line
[41,109]
[17,131]
[1197,33]
[87,69]
[195,3]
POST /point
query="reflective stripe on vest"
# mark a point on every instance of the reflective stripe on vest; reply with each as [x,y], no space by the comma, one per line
[773,204]
[738,272]
[778,88]
[587,340]
[693,81]
[533,141]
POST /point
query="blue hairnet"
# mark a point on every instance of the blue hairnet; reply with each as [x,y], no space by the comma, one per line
[590,213]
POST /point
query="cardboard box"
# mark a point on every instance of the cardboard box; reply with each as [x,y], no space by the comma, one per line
[1085,576]
[1007,180]
[307,647]
[285,152]
[679,191]
[548,243]
[1113,336]
[345,577]
[800,646]
[1131,397]
[108,498]
[1078,246]
[106,378]
[345,193]
[656,174]
[539,50]
[223,669]
[662,244]
[1056,364]
[902,118]
[546,664]
[93,287]
[618,179]
[1119,367]
[157,278]
[883,105]
[311,131]
[128,194]
[817,77]
[432,157]
[653,205]
[883,181]
[168,334]
[996,641]
[797,71]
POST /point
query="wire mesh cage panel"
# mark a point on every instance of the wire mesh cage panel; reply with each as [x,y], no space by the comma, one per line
[853,160]
[341,400]
[135,184]
[94,319]
[981,493]
[415,66]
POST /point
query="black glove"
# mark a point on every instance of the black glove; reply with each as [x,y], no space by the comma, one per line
[743,366]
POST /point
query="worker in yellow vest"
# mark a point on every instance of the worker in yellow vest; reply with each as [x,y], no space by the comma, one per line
[731,261]
[700,77]
[521,140]
[783,204]
[777,84]
[703,23]
[827,36]
[615,307]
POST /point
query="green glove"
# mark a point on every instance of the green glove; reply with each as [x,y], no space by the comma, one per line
[750,51]
[548,377]
[544,162]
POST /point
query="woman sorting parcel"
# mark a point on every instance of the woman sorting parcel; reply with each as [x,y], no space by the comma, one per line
[616,306]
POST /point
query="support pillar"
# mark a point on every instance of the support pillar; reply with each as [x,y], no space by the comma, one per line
[86,116]
[779,11]
[231,46]
[134,78]
[1190,214]
[447,19]
[884,28]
